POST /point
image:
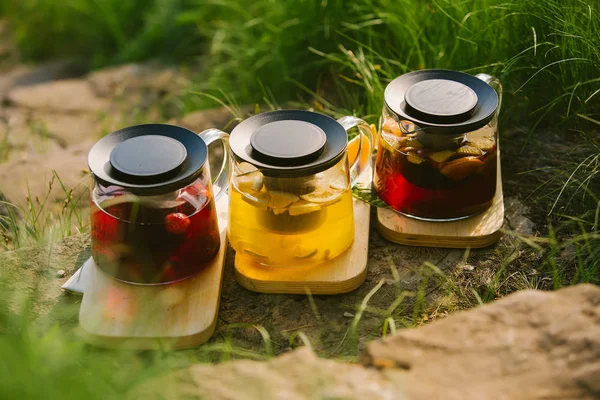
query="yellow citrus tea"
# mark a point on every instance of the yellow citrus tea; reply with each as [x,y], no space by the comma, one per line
[290,222]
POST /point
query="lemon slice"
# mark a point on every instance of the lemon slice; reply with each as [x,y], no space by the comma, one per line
[339,184]
[321,195]
[303,207]
[279,201]
[251,181]
[248,177]
[259,200]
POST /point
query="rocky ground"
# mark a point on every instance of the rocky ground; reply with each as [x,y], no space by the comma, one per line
[529,345]
[52,114]
[50,124]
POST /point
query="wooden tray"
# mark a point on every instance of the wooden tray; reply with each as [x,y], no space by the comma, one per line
[481,230]
[340,275]
[178,315]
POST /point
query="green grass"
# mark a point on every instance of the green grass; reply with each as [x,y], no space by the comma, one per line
[101,32]
[39,221]
[546,53]
[345,52]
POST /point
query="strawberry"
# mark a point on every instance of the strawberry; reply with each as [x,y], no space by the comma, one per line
[177,223]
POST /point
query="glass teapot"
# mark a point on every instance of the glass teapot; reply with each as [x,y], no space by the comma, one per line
[437,144]
[290,190]
[153,214]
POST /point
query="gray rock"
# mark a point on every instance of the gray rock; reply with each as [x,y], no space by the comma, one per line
[528,345]
[298,375]
[69,95]
[516,212]
[116,81]
[220,118]
[24,75]
[69,129]
[33,173]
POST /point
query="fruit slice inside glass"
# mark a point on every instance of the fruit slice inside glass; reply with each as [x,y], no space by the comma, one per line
[290,221]
[154,239]
[435,177]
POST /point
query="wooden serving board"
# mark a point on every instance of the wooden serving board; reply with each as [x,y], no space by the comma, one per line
[342,274]
[177,315]
[480,230]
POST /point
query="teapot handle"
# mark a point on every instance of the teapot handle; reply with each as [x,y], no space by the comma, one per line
[495,84]
[221,182]
[362,159]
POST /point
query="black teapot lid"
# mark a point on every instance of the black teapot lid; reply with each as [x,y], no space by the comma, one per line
[148,159]
[444,101]
[289,142]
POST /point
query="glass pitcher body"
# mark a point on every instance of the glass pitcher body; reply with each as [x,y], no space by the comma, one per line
[148,229]
[294,213]
[291,220]
[434,173]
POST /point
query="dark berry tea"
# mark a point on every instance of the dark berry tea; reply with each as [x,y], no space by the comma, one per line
[455,180]
[155,240]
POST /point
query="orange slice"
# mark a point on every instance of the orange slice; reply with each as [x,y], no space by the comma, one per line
[373,129]
[391,126]
[357,143]
[458,170]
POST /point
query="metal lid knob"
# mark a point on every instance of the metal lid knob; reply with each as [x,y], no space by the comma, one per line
[440,101]
[149,157]
[288,143]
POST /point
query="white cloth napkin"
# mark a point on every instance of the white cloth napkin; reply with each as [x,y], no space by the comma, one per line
[76,283]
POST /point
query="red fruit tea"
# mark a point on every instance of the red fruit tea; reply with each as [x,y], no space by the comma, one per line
[158,241]
[436,184]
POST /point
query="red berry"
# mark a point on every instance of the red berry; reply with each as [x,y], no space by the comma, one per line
[177,223]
